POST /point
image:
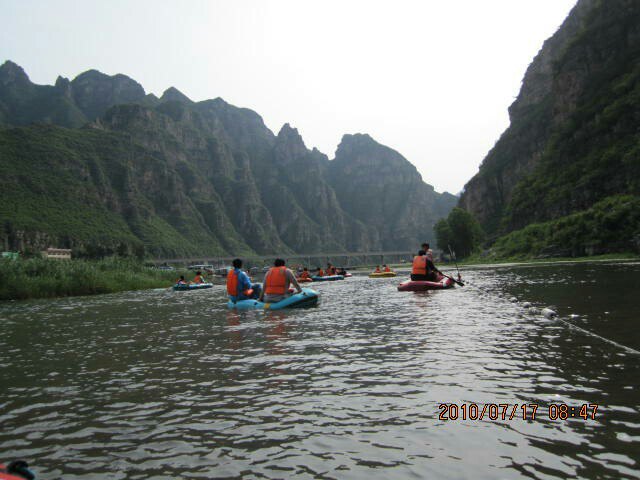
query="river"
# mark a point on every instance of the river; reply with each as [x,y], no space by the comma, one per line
[160,384]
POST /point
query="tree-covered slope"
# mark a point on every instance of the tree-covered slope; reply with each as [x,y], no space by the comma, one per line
[574,138]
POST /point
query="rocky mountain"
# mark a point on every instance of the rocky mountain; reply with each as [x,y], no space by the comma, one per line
[99,165]
[391,196]
[573,140]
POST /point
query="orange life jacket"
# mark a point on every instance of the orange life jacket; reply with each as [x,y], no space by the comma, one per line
[321,273]
[198,279]
[232,285]
[387,269]
[275,282]
[419,265]
[304,274]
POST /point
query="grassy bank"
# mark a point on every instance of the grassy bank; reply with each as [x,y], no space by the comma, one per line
[40,278]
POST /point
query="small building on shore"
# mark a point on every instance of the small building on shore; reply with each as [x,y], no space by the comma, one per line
[57,253]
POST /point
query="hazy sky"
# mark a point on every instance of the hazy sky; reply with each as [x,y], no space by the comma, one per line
[431,79]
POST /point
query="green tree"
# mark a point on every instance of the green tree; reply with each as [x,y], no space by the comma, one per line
[461,231]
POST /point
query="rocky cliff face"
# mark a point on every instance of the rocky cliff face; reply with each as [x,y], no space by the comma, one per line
[391,197]
[183,177]
[570,125]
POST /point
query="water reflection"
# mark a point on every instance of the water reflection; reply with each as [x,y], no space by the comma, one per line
[164,384]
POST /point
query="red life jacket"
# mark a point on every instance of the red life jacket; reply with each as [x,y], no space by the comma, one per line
[331,271]
[275,282]
[419,265]
[198,279]
[304,274]
[387,269]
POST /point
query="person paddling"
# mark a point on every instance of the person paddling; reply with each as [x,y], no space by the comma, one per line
[239,286]
[277,282]
[181,281]
[319,272]
[386,269]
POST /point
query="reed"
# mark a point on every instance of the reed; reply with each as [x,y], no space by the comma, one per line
[43,278]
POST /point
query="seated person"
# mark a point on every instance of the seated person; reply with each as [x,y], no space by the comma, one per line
[427,250]
[331,270]
[320,272]
[305,273]
[423,268]
[277,282]
[239,286]
[341,271]
[199,278]
[377,270]
[385,268]
[181,281]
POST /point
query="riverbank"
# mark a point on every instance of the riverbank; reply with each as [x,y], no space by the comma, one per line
[44,278]
[478,261]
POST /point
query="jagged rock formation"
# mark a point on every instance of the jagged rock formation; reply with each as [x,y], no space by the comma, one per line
[178,177]
[573,138]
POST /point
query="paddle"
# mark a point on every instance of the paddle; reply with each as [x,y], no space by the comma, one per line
[453,279]
[454,260]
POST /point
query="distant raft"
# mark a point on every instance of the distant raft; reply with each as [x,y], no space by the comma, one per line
[329,278]
[382,275]
[307,298]
[423,285]
[192,286]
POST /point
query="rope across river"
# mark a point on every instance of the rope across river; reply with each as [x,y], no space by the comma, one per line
[553,315]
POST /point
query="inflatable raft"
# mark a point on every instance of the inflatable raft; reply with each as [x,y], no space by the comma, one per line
[423,285]
[382,275]
[307,298]
[193,286]
[330,278]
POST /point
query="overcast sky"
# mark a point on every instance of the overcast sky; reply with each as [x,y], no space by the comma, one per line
[431,79]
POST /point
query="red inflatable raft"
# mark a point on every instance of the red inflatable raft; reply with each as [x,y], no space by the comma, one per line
[421,286]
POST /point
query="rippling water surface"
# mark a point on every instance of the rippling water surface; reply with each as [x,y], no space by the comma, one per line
[161,384]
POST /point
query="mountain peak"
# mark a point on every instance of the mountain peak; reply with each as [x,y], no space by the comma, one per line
[12,73]
[172,94]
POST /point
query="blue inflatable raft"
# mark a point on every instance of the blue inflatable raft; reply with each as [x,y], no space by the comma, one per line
[307,298]
[330,278]
[193,286]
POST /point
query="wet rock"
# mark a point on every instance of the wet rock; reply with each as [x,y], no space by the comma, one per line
[548,313]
